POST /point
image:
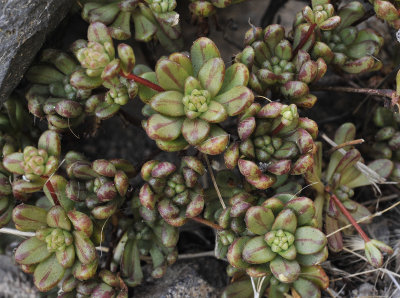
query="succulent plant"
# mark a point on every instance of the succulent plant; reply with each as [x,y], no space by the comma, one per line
[175,193]
[62,241]
[100,66]
[153,19]
[350,49]
[274,65]
[274,141]
[199,94]
[105,284]
[206,8]
[52,95]
[280,240]
[387,11]
[321,14]
[342,175]
[101,186]
[35,165]
[144,236]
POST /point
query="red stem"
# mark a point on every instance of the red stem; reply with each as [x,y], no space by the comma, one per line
[305,39]
[52,192]
[348,215]
[142,81]
[207,223]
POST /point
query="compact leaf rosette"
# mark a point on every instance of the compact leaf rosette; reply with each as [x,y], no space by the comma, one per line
[274,141]
[175,193]
[200,92]
[275,66]
[62,242]
[280,241]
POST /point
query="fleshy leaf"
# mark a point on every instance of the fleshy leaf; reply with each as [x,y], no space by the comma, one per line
[168,103]
[48,274]
[306,288]
[284,270]
[259,220]
[31,251]
[171,75]
[309,240]
[236,75]
[286,220]
[202,50]
[216,113]
[211,75]
[236,100]
[215,143]
[163,128]
[257,251]
[195,130]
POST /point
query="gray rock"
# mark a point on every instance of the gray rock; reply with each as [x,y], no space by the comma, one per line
[202,277]
[13,282]
[24,25]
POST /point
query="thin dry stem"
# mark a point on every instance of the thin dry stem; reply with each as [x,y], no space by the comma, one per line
[221,200]
[349,143]
[207,223]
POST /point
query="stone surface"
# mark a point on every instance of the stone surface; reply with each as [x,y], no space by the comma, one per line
[24,25]
[13,282]
[202,277]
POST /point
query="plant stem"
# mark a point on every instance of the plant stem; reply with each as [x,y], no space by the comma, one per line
[16,232]
[305,39]
[319,208]
[142,81]
[197,255]
[349,143]
[221,200]
[348,215]
[375,92]
[207,223]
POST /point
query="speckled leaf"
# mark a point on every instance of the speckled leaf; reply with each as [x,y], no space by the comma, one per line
[171,75]
[168,103]
[58,185]
[195,130]
[13,163]
[304,209]
[314,259]
[104,110]
[31,251]
[257,251]
[80,80]
[211,75]
[172,146]
[183,60]
[246,127]
[84,248]
[360,65]
[215,143]
[284,270]
[285,220]
[201,51]
[48,274]
[236,75]
[144,28]
[29,218]
[306,288]
[259,220]
[236,100]
[57,218]
[216,113]
[315,274]
[163,128]
[309,240]
[235,250]
[51,142]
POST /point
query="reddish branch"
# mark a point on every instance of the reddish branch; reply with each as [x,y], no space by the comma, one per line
[348,215]
[142,81]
